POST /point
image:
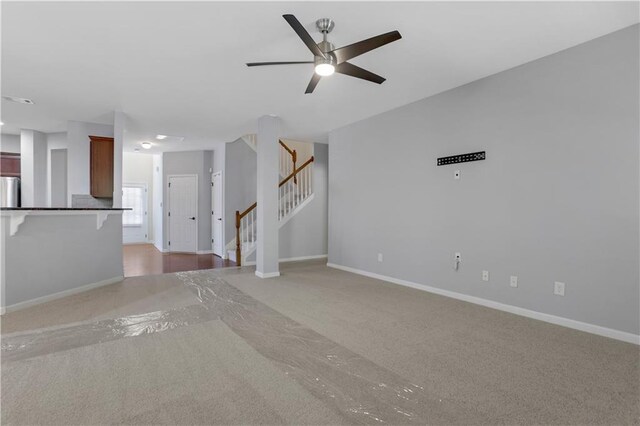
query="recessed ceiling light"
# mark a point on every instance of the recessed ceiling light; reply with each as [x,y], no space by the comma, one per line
[160,137]
[18,100]
[146,145]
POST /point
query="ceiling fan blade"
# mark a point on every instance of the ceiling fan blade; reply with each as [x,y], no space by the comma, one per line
[354,71]
[313,83]
[345,53]
[304,35]
[259,64]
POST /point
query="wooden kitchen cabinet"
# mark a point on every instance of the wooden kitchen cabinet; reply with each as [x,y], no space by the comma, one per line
[9,164]
[101,167]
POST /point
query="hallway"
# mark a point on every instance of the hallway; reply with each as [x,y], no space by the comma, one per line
[145,259]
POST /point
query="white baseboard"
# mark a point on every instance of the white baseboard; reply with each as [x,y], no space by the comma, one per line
[301,258]
[290,259]
[267,275]
[553,319]
[60,294]
[204,252]
[136,243]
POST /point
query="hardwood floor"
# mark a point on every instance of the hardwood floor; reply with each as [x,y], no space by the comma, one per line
[145,259]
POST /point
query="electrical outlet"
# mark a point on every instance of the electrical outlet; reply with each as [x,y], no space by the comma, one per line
[379,257]
[456,174]
[514,281]
[485,275]
[558,288]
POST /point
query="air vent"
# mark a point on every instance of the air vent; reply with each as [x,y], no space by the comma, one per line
[18,100]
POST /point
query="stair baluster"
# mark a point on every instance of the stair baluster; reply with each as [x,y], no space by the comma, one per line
[293,190]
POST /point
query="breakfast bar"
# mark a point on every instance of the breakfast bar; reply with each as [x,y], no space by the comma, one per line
[47,253]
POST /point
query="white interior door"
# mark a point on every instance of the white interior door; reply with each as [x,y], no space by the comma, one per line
[183,213]
[216,214]
[134,221]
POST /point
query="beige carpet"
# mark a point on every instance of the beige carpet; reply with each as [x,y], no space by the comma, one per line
[469,365]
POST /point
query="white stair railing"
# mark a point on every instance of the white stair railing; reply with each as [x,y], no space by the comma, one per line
[288,158]
[292,193]
[294,190]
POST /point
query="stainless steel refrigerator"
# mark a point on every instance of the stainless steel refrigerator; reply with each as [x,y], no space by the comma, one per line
[9,192]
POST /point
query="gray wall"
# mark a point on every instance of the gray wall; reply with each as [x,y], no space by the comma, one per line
[57,142]
[10,143]
[240,183]
[70,253]
[78,155]
[58,178]
[556,199]
[191,162]
[305,234]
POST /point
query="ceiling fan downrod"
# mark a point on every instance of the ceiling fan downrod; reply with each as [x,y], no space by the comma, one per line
[328,63]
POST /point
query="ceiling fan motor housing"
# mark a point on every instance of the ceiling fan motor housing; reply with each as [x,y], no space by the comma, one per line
[325,25]
[326,48]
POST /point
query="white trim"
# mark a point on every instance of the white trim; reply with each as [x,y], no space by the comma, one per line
[139,243]
[267,275]
[205,252]
[553,319]
[17,217]
[168,206]
[290,259]
[222,237]
[60,294]
[301,258]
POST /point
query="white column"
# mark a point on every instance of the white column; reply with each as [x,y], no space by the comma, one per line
[119,130]
[33,168]
[267,197]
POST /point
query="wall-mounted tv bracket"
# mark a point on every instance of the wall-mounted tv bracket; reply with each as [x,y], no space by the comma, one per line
[462,158]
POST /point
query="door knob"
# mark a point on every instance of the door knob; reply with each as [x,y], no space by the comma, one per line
[219,218]
[192,218]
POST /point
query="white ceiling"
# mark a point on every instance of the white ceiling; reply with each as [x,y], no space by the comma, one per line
[178,68]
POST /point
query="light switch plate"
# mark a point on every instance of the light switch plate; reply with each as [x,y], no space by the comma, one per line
[513,281]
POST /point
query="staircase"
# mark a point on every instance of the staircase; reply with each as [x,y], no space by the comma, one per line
[295,191]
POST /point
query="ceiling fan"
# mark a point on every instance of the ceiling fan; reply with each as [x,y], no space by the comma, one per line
[328,59]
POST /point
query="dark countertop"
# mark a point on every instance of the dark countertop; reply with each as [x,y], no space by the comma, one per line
[60,208]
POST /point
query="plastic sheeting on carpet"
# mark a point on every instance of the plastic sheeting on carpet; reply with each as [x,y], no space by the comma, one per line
[352,385]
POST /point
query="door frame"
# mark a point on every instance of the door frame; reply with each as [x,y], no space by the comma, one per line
[168,205]
[146,211]
[224,245]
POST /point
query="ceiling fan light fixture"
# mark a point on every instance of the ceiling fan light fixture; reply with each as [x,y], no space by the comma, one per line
[325,70]
[328,59]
